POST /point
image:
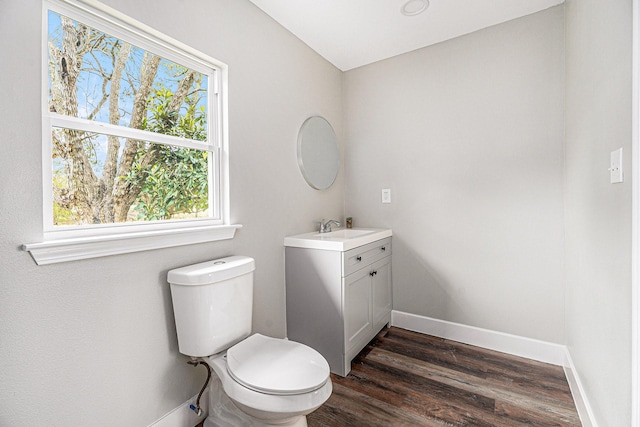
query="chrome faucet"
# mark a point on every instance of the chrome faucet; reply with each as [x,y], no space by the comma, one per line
[325,227]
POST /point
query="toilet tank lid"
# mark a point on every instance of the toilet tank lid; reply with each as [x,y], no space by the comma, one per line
[213,271]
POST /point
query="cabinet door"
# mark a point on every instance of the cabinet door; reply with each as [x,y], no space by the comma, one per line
[357,310]
[381,289]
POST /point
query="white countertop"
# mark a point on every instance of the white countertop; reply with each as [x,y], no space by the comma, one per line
[341,239]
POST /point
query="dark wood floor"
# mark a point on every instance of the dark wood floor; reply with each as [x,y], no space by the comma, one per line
[403,378]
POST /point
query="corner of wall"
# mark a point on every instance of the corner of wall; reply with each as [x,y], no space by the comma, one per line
[183,415]
[579,395]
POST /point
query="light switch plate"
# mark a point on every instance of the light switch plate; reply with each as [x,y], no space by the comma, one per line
[615,167]
[386,195]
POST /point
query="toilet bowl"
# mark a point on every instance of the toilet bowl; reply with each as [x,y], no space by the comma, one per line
[273,381]
[259,380]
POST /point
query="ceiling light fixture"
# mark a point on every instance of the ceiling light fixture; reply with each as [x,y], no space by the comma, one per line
[414,7]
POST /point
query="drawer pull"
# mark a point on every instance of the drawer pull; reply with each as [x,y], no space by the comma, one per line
[384,248]
[373,273]
[358,258]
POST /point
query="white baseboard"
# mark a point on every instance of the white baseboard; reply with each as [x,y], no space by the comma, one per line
[183,415]
[541,351]
[506,343]
[579,396]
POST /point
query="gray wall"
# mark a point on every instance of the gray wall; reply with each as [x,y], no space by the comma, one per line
[93,342]
[468,134]
[598,214]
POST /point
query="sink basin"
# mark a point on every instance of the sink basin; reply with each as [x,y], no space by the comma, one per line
[345,233]
[338,240]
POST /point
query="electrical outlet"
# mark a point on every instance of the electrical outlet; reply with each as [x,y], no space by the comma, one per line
[615,168]
[386,195]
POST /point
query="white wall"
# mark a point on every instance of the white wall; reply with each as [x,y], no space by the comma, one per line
[93,342]
[598,214]
[468,134]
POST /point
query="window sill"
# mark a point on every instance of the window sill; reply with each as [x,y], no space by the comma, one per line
[56,251]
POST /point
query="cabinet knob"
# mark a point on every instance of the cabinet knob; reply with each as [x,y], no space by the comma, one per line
[373,273]
[358,258]
[384,248]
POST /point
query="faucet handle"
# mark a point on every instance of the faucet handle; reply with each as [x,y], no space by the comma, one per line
[325,227]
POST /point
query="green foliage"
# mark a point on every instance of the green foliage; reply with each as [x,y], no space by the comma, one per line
[61,215]
[160,119]
[176,185]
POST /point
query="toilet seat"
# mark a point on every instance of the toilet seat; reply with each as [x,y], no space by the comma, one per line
[276,366]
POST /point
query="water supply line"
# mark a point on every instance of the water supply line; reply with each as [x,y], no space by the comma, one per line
[194,363]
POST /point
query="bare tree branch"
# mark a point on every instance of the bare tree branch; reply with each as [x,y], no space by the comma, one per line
[113,144]
[122,193]
[65,65]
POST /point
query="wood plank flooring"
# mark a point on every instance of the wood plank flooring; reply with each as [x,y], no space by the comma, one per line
[404,378]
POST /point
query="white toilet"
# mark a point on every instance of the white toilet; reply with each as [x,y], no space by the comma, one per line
[271,381]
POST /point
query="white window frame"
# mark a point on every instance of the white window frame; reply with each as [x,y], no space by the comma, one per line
[69,243]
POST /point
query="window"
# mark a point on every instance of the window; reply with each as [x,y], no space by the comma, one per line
[133,134]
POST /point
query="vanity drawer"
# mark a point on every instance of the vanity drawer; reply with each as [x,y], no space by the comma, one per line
[363,256]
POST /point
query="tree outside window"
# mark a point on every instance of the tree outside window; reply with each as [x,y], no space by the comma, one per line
[130,130]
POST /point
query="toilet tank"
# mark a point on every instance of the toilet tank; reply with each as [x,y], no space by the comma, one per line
[212,304]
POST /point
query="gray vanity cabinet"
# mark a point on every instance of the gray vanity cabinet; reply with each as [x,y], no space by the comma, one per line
[338,301]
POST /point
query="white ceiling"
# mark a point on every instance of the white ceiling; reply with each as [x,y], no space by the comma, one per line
[352,33]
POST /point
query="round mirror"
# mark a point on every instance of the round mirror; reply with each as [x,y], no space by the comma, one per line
[318,154]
